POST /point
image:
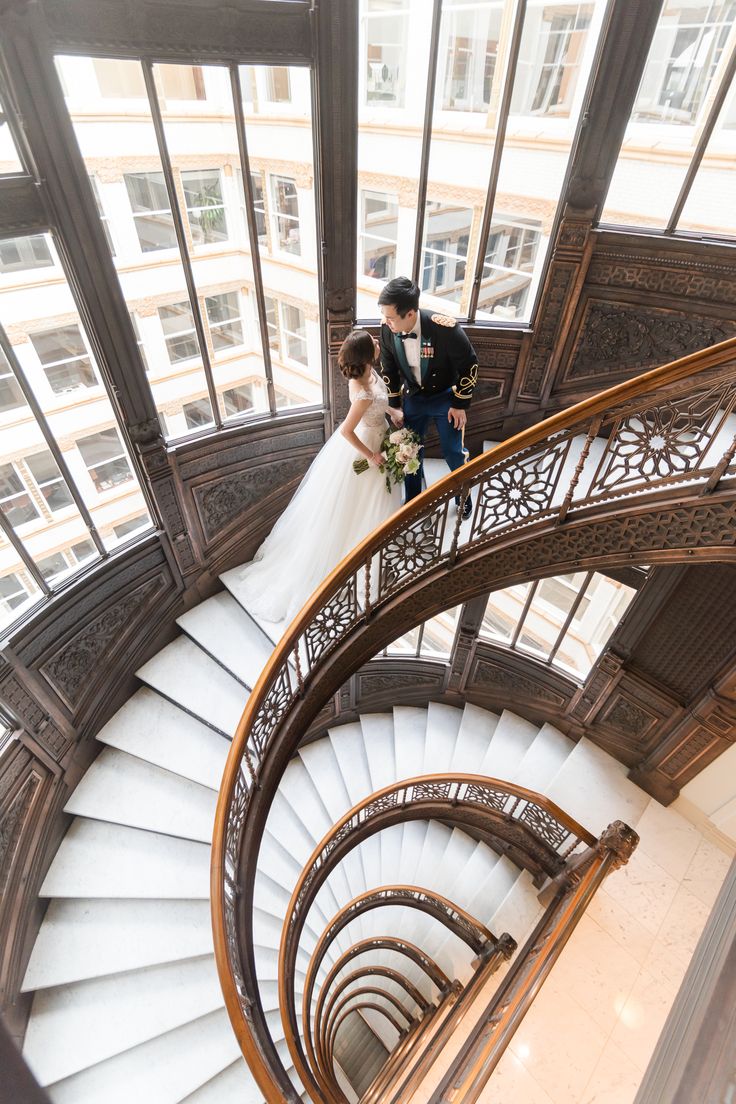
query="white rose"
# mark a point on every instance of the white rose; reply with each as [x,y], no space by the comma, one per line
[396,437]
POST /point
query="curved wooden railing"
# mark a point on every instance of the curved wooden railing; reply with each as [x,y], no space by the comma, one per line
[536,834]
[634,475]
[455,919]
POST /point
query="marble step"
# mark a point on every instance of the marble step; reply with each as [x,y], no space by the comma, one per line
[81,939]
[96,859]
[410,734]
[123,789]
[443,727]
[185,675]
[76,1026]
[474,737]
[512,738]
[273,630]
[223,629]
[378,740]
[234,1085]
[348,746]
[592,787]
[156,730]
[164,1070]
[542,762]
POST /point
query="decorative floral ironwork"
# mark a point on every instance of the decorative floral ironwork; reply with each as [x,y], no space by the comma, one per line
[544,825]
[518,489]
[272,711]
[331,622]
[660,442]
[412,550]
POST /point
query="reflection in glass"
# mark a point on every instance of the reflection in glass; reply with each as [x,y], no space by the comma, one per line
[687,59]
[205,206]
[65,359]
[149,202]
[9,159]
[11,396]
[378,234]
[21,254]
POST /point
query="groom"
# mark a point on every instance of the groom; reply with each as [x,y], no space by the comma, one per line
[429,359]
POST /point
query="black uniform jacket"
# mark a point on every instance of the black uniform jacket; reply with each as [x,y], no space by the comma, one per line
[448,361]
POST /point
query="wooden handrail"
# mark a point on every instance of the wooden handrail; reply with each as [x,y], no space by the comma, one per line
[508,807]
[274,701]
[457,920]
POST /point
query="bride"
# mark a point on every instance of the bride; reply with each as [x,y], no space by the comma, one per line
[334,508]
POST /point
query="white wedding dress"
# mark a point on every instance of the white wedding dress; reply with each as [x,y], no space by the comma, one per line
[333,510]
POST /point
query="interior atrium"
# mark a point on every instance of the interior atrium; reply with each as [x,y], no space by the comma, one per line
[464,829]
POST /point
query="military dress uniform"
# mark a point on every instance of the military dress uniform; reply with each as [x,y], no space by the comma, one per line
[439,372]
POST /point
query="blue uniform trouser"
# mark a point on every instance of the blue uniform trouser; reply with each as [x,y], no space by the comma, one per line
[419,412]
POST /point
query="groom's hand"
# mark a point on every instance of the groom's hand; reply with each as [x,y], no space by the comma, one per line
[457,418]
[397,417]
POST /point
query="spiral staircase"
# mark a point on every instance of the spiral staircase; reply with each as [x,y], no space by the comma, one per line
[127,1002]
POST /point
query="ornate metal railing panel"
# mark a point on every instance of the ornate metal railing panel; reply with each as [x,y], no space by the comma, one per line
[636,462]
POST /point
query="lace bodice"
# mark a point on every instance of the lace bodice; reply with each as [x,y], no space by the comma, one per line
[373,398]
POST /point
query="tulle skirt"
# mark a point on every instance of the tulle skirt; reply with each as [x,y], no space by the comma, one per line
[332,511]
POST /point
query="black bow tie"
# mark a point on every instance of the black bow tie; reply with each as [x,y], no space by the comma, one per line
[407,336]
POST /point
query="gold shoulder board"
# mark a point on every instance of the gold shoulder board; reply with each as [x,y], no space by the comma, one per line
[444,320]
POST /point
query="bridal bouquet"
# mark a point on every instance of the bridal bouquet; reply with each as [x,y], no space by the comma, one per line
[400,449]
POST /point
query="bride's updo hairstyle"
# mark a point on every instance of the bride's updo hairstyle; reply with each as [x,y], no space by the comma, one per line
[356,351]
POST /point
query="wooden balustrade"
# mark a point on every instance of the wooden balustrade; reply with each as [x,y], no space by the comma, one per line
[658,490]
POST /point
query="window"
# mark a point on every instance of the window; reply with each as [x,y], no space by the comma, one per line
[11,396]
[101,212]
[15,501]
[21,254]
[226,324]
[447,233]
[507,269]
[278,84]
[49,480]
[238,400]
[284,399]
[198,413]
[379,231]
[285,214]
[177,322]
[13,595]
[565,620]
[121,80]
[272,323]
[259,206]
[385,29]
[8,152]
[295,333]
[149,202]
[83,551]
[549,76]
[132,525]
[105,459]
[65,359]
[205,206]
[433,639]
[52,567]
[469,44]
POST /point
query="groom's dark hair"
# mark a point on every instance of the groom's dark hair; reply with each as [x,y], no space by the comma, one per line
[402,293]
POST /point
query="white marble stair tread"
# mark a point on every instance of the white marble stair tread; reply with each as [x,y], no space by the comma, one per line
[324,770]
[349,748]
[223,628]
[511,740]
[158,731]
[76,1026]
[162,1070]
[410,733]
[443,726]
[123,789]
[593,789]
[81,939]
[432,859]
[549,750]
[519,911]
[473,739]
[285,825]
[96,859]
[187,676]
[274,630]
[234,1085]
[485,897]
[299,791]
[378,738]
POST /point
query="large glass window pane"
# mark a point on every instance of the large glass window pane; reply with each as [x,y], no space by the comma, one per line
[686,60]
[604,604]
[9,160]
[393,69]
[48,344]
[710,208]
[111,116]
[224,316]
[286,223]
[503,611]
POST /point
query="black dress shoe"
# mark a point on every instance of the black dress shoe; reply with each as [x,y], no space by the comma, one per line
[466,509]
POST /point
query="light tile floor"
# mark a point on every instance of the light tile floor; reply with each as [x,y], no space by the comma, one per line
[591,1031]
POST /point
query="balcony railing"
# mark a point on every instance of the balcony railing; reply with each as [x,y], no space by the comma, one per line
[640,474]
